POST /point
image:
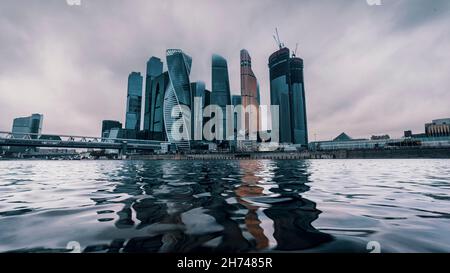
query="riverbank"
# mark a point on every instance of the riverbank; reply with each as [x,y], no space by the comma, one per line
[237,156]
[403,153]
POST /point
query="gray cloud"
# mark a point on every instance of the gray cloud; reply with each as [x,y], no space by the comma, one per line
[369,69]
[413,13]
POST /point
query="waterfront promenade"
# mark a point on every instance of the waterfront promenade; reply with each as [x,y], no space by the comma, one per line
[337,154]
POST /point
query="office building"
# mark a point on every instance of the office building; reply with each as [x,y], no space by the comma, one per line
[344,142]
[178,94]
[250,96]
[207,102]
[27,128]
[154,69]
[438,128]
[134,101]
[236,100]
[155,123]
[220,91]
[200,93]
[24,126]
[288,92]
[107,125]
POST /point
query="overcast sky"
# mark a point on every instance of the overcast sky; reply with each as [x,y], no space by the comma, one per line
[368,69]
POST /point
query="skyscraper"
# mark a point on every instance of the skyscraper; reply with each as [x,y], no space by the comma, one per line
[299,120]
[220,87]
[288,92]
[134,101]
[236,100]
[178,94]
[206,104]
[250,94]
[156,107]
[154,69]
[198,92]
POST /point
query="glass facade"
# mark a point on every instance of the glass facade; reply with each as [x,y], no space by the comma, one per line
[173,90]
[250,94]
[367,144]
[156,112]
[154,69]
[220,87]
[178,94]
[27,125]
[107,125]
[236,100]
[298,102]
[207,102]
[179,67]
[134,101]
[199,93]
[288,92]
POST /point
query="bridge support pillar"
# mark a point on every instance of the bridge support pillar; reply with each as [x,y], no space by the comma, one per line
[123,151]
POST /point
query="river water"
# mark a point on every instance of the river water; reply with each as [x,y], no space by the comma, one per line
[225,206]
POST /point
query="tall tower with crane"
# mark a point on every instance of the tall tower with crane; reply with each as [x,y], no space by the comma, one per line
[288,92]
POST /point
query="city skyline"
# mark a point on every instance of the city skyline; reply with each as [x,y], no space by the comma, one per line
[349,73]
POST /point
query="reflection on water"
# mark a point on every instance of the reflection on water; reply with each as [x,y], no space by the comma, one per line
[224,206]
[274,195]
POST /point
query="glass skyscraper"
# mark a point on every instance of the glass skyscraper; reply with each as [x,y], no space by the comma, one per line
[178,93]
[220,87]
[300,129]
[156,107]
[207,101]
[134,101]
[171,90]
[197,121]
[236,100]
[154,69]
[288,92]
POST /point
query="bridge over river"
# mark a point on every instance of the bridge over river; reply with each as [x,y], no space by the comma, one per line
[76,142]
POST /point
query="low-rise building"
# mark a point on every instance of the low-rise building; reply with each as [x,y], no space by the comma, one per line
[438,128]
[348,143]
[107,125]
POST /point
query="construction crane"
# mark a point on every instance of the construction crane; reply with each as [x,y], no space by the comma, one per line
[277,39]
[294,54]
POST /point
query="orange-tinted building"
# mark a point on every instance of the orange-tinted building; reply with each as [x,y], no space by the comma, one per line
[249,93]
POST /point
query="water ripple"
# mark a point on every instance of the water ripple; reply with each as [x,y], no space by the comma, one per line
[225,206]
